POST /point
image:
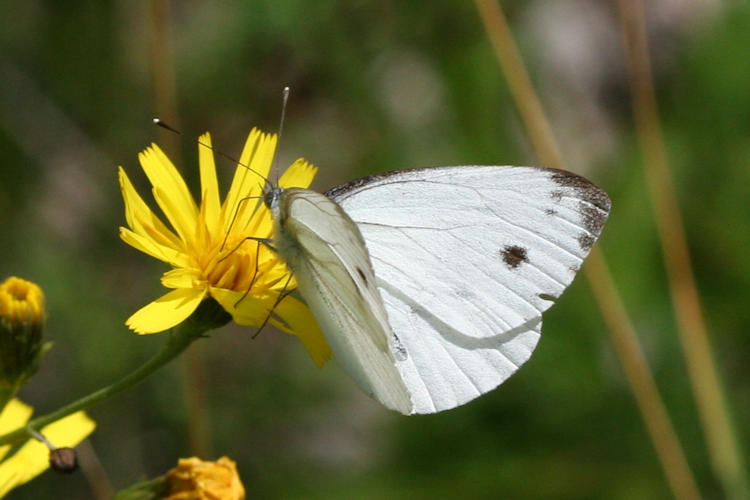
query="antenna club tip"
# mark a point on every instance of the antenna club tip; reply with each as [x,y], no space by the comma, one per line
[156,121]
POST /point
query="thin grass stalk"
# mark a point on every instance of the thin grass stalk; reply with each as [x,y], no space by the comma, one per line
[622,332]
[627,346]
[724,450]
[165,102]
[91,467]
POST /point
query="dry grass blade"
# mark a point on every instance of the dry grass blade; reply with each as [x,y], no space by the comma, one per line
[193,363]
[628,349]
[610,304]
[725,453]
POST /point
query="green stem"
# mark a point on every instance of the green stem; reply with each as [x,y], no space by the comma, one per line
[180,338]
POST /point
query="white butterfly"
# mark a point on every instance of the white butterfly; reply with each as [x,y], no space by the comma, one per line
[430,284]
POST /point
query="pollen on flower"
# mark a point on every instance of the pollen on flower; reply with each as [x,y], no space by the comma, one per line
[227,264]
[21,301]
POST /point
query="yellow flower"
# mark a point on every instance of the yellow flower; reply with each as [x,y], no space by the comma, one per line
[32,458]
[210,247]
[22,316]
[194,479]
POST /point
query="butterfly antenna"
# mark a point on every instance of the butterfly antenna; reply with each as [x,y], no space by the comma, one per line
[161,123]
[284,100]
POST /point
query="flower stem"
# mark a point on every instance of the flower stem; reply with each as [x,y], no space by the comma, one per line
[180,338]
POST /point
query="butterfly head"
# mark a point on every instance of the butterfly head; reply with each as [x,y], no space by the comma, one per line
[271,197]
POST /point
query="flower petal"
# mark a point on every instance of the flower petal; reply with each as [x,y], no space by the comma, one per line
[245,309]
[167,311]
[14,415]
[182,278]
[299,174]
[150,247]
[254,166]
[290,315]
[33,457]
[302,323]
[181,216]
[170,191]
[141,218]
[69,431]
[210,203]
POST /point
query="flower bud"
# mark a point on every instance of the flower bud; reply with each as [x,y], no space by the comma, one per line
[22,317]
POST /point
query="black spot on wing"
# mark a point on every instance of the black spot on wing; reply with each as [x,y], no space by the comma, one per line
[550,212]
[514,255]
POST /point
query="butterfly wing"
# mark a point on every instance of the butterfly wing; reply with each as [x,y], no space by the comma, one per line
[326,251]
[467,259]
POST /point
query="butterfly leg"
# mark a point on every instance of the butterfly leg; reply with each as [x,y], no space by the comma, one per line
[237,211]
[284,293]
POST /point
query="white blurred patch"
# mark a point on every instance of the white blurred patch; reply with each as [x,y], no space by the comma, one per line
[408,88]
[582,64]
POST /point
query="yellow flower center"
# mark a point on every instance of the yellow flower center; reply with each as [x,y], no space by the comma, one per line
[237,264]
[21,301]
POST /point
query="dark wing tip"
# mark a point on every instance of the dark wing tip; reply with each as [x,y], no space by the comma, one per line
[593,207]
[586,190]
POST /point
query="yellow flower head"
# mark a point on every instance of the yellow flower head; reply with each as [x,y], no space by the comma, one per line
[195,479]
[212,247]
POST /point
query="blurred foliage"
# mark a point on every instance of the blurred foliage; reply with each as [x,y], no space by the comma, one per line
[375,86]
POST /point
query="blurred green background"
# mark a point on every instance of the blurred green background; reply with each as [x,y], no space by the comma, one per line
[375,86]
